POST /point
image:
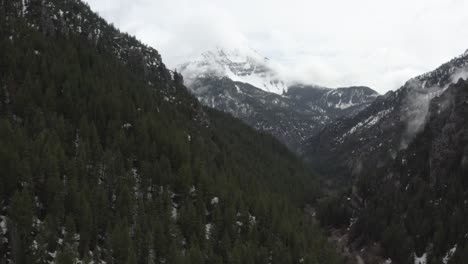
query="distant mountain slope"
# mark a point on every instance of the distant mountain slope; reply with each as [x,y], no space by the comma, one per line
[374,136]
[336,102]
[404,164]
[416,205]
[242,86]
[105,157]
[241,65]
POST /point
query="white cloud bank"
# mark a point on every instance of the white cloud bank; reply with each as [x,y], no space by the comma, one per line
[333,43]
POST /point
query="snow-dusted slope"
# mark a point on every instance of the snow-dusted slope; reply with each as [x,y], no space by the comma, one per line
[240,65]
[387,126]
[405,158]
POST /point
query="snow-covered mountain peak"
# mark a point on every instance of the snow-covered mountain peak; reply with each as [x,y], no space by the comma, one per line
[228,56]
[239,65]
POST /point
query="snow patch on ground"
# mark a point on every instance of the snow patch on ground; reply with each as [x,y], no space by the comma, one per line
[449,254]
[3,226]
[208,228]
[35,245]
[420,260]
[375,119]
[252,219]
[344,105]
[24,7]
[193,189]
[369,122]
[127,125]
[174,213]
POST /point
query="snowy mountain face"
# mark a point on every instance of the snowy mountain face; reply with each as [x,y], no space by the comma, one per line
[375,135]
[245,66]
[247,87]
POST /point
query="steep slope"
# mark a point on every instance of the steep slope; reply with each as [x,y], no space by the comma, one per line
[375,135]
[106,158]
[292,114]
[404,161]
[416,206]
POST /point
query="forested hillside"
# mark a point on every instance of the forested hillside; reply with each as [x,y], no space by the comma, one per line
[106,158]
[417,205]
[413,208]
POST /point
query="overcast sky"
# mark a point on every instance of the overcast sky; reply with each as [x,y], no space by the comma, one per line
[332,43]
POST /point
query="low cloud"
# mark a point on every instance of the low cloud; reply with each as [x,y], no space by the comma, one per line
[416,109]
[416,105]
[331,43]
[460,74]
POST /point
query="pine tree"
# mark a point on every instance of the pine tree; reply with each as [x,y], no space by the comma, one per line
[66,256]
[20,225]
[85,225]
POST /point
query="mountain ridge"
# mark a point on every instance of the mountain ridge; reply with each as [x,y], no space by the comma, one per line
[398,170]
[385,127]
[292,115]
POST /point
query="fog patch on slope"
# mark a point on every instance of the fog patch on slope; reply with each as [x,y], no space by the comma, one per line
[461,74]
[416,105]
[415,110]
